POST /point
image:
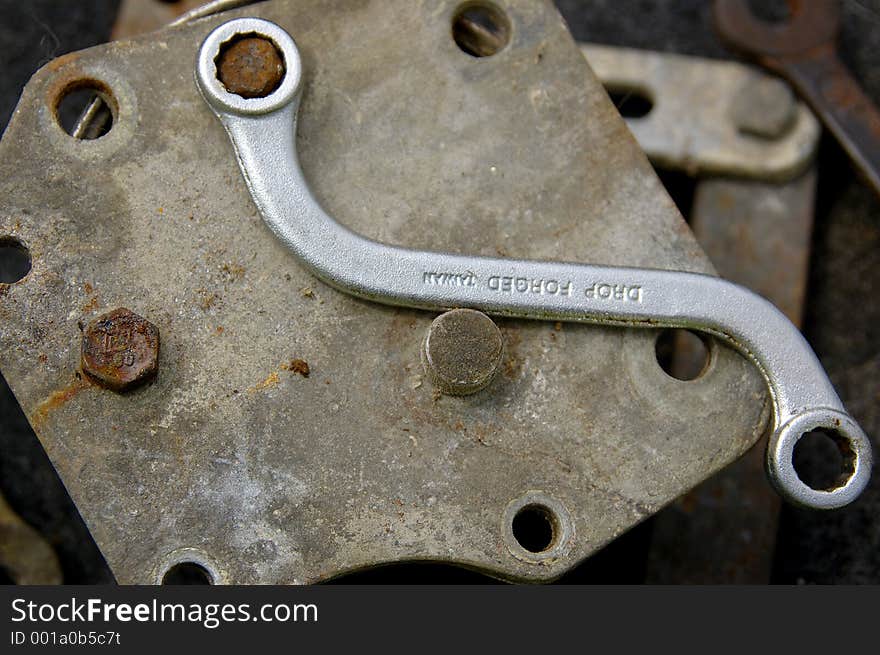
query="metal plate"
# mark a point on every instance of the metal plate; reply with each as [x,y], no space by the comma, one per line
[749,124]
[141,16]
[267,476]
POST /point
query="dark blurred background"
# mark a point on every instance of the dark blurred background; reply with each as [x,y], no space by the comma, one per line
[842,319]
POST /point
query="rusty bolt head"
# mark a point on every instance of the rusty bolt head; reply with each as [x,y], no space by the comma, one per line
[120,350]
[462,352]
[250,67]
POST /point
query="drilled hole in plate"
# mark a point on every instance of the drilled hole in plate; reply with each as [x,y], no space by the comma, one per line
[631,103]
[187,573]
[86,110]
[535,528]
[6,577]
[823,459]
[15,260]
[682,354]
[480,29]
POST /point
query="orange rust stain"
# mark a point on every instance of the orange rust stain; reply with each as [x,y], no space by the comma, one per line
[233,271]
[68,78]
[56,400]
[297,366]
[91,305]
[62,61]
[269,382]
[207,299]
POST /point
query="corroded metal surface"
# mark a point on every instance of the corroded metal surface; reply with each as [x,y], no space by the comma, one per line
[803,50]
[250,67]
[141,16]
[120,350]
[759,235]
[232,459]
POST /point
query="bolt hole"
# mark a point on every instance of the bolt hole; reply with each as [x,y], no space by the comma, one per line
[86,110]
[535,528]
[823,460]
[682,354]
[6,577]
[631,103]
[774,12]
[480,29]
[15,260]
[188,573]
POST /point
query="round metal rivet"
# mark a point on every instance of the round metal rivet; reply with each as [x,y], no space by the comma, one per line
[462,352]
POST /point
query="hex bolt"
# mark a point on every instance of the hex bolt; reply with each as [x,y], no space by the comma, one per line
[764,106]
[251,67]
[462,352]
[120,350]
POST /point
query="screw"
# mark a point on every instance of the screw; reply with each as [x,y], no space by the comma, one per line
[120,350]
[251,67]
[462,351]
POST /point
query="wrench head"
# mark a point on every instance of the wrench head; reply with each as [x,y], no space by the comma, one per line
[813,23]
[853,442]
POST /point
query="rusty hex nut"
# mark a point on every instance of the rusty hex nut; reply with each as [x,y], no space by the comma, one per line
[120,350]
[250,67]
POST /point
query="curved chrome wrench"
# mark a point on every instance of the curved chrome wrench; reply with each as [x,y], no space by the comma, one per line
[263,133]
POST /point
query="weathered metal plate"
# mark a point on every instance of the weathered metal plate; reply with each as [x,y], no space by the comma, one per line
[230,459]
[711,117]
[141,16]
